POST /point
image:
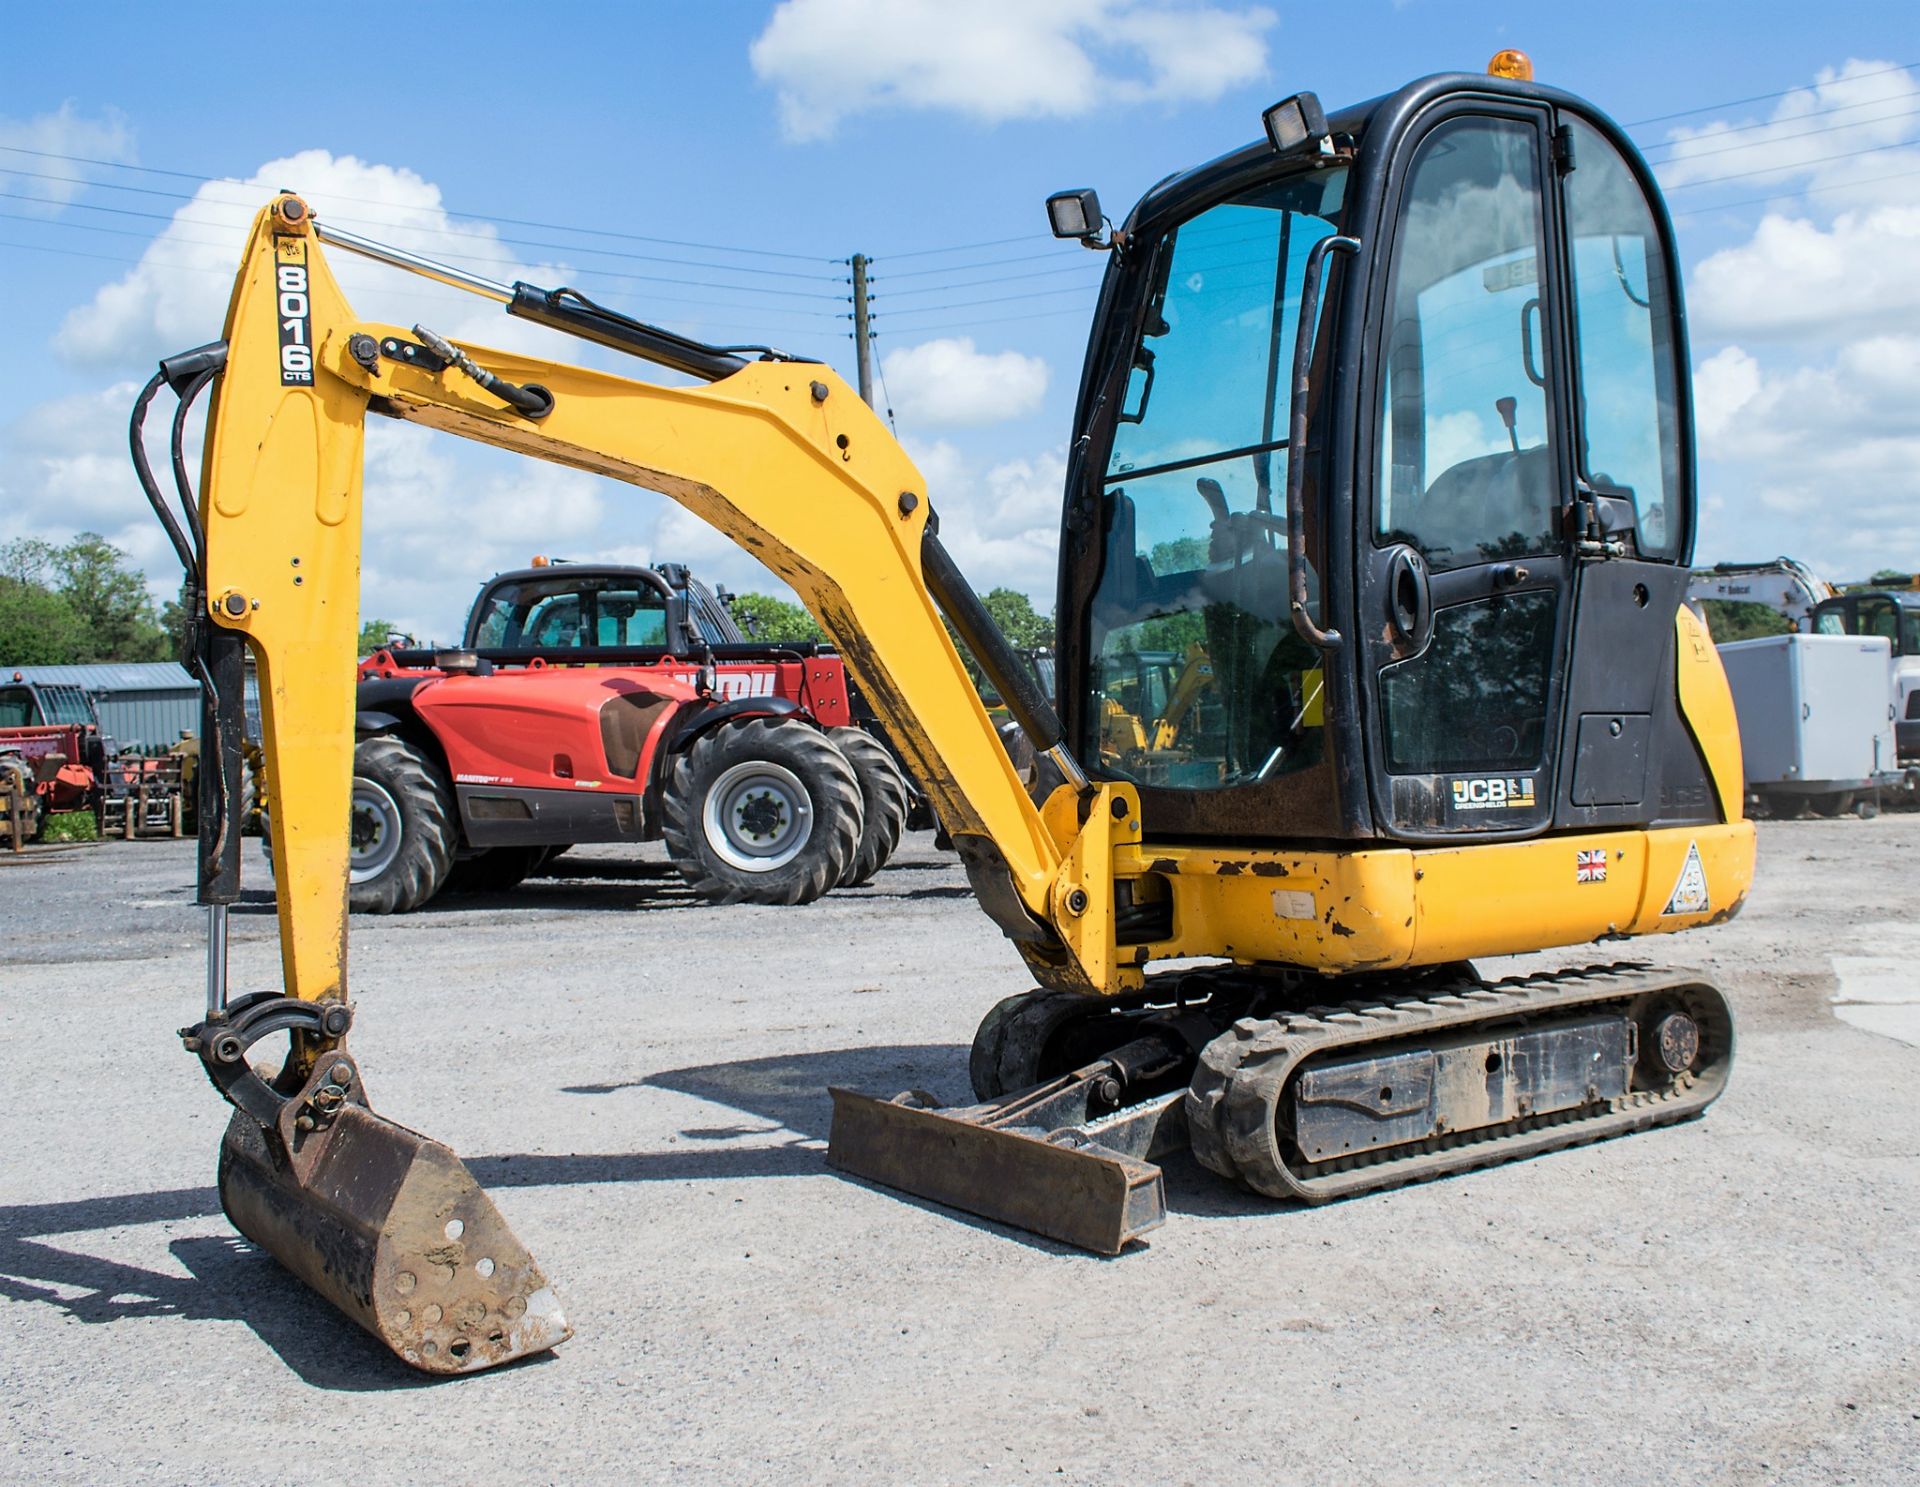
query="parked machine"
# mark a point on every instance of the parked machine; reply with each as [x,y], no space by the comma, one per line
[1894,616]
[1429,356]
[1787,586]
[53,758]
[597,703]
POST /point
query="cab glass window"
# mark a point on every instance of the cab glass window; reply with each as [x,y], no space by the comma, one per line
[17,709]
[1877,616]
[1623,320]
[559,614]
[1467,472]
[1194,508]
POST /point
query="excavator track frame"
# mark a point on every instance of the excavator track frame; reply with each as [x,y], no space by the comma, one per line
[1240,1092]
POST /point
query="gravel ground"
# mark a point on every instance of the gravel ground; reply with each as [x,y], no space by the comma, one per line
[639,1079]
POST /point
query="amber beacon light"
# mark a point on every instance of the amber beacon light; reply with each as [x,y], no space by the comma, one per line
[1513,63]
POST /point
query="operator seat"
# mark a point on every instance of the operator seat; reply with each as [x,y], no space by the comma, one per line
[1477,510]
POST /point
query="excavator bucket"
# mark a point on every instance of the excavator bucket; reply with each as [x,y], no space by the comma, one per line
[393,1229]
[390,1227]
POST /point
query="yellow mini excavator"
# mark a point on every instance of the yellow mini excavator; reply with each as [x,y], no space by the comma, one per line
[1387,415]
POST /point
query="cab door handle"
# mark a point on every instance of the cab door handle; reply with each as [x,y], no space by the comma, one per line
[1409,596]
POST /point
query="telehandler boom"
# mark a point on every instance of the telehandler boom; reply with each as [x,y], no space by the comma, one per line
[1386,416]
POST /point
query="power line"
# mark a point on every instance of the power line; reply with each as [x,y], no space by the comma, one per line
[1709,108]
[1030,237]
[1077,271]
[425,230]
[1786,166]
[651,299]
[1757,201]
[1818,113]
[681,322]
[998,299]
[814,297]
[632,237]
[971,323]
[1781,139]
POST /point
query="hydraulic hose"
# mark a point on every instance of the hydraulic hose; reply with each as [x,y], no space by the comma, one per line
[532,400]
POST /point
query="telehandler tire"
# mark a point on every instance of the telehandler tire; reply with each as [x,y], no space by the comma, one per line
[765,811]
[884,798]
[401,847]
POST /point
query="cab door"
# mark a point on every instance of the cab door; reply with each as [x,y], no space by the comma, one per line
[1465,571]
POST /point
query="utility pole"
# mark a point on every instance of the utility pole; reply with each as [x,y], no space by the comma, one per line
[862,333]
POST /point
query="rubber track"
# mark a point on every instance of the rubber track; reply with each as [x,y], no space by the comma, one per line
[1244,1073]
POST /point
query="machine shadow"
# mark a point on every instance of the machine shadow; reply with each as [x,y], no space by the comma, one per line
[227,1280]
[230,1280]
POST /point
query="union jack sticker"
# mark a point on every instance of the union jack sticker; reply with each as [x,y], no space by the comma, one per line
[1590,865]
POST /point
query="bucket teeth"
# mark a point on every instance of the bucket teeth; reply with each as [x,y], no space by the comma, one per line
[393,1229]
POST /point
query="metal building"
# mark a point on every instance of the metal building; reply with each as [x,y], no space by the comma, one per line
[142,705]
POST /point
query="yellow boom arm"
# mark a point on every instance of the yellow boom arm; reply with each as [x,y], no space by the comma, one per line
[781,456]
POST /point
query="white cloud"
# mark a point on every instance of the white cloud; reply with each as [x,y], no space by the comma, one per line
[441,515]
[1814,460]
[995,60]
[945,383]
[30,166]
[1002,525]
[1808,396]
[1824,130]
[1795,280]
[177,294]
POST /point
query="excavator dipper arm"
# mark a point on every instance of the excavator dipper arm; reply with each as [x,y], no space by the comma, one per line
[782,457]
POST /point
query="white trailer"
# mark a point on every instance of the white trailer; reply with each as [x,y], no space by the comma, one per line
[1816,721]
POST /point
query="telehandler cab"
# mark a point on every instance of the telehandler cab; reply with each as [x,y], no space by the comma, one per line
[1389,413]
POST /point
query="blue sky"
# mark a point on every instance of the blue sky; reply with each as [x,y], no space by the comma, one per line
[925,135]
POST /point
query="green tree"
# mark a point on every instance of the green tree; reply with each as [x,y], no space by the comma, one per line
[1025,627]
[37,625]
[176,618]
[764,617]
[374,634]
[1736,619]
[1891,575]
[115,610]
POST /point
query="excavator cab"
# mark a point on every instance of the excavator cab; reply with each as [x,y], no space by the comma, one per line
[1371,659]
[1492,501]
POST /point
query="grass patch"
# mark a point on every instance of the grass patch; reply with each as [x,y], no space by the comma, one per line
[71,826]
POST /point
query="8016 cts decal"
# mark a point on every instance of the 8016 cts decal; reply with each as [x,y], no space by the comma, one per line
[295,308]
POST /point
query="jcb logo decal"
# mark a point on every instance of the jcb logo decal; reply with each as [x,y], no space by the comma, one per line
[1493,793]
[293,305]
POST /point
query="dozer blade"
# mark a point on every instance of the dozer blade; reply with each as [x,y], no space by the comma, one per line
[1070,1158]
[1078,1193]
[392,1229]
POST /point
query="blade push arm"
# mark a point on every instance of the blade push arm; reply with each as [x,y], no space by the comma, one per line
[780,456]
